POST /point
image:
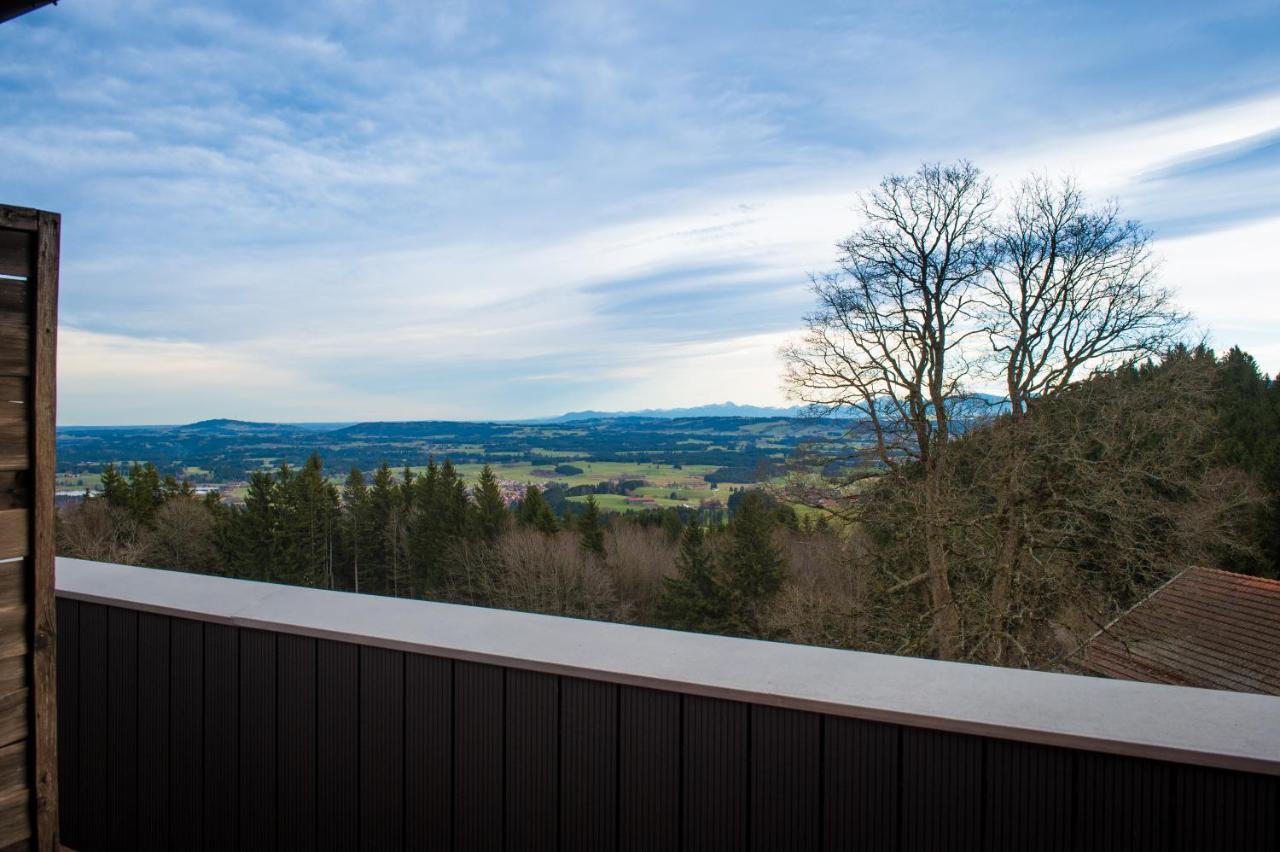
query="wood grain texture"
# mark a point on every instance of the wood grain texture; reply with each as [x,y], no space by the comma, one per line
[15,454]
[12,389]
[15,535]
[15,299]
[15,350]
[13,585]
[15,430]
[15,818]
[13,674]
[13,766]
[44,608]
[15,715]
[22,218]
[15,644]
[13,396]
[13,489]
[15,252]
[13,619]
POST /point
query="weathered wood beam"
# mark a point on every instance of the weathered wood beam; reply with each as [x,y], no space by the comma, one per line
[44,609]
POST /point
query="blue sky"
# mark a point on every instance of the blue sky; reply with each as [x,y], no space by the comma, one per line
[357,210]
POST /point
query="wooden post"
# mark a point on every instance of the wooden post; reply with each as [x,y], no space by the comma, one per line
[45,620]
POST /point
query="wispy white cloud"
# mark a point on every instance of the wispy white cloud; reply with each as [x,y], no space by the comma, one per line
[473,209]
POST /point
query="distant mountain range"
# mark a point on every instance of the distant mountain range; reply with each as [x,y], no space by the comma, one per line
[722,409]
[223,426]
[978,404]
[228,426]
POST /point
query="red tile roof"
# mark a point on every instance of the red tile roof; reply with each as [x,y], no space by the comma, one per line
[1206,628]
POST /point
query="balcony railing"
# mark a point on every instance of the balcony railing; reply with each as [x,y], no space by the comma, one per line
[204,713]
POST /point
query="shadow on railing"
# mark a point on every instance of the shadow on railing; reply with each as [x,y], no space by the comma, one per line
[199,712]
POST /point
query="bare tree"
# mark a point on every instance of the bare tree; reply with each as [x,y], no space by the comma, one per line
[182,536]
[892,335]
[553,574]
[639,557]
[1071,292]
[94,529]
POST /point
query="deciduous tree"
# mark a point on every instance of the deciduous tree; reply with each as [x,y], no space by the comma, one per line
[892,337]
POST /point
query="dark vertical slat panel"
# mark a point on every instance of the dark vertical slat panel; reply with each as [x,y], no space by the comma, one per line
[186,732]
[1029,801]
[381,750]
[648,770]
[428,753]
[338,746]
[1123,803]
[532,760]
[296,743]
[588,765]
[786,780]
[257,764]
[221,737]
[860,785]
[69,721]
[122,722]
[477,756]
[153,732]
[1213,809]
[582,763]
[942,792]
[716,742]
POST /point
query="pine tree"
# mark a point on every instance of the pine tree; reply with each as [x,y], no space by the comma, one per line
[387,563]
[146,494]
[492,514]
[1248,437]
[441,517]
[535,513]
[407,485]
[308,507]
[249,535]
[115,490]
[284,561]
[356,525]
[590,529]
[693,599]
[673,524]
[455,506]
[753,568]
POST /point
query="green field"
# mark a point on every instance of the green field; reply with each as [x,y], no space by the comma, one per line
[663,475]
[78,480]
[618,503]
[686,493]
